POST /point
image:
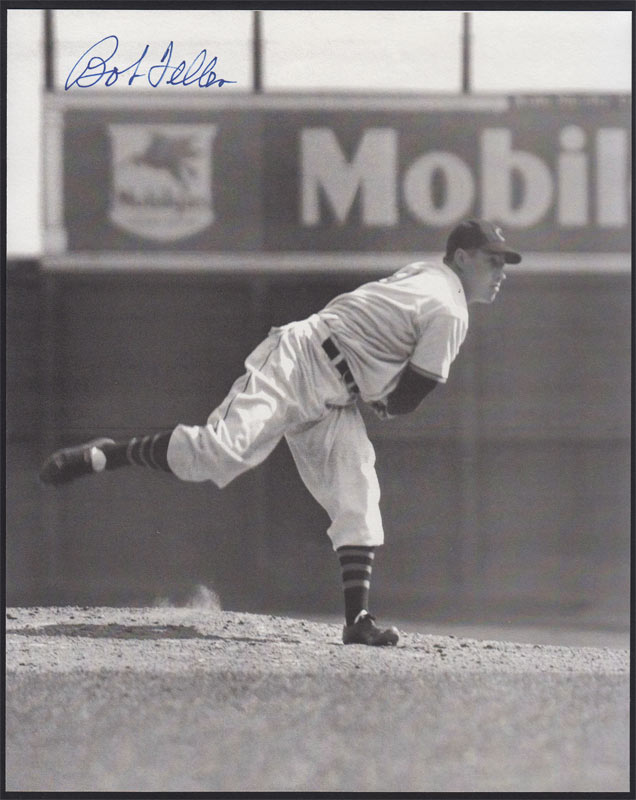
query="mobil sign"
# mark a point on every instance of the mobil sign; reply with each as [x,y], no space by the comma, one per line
[438,186]
[350,175]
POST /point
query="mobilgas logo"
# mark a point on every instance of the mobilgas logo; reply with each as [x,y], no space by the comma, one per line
[587,183]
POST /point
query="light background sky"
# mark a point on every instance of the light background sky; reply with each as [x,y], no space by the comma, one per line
[405,51]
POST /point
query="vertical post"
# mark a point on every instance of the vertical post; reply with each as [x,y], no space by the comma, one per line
[466,52]
[257,46]
[49,70]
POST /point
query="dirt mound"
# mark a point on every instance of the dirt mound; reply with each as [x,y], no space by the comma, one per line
[111,638]
[204,700]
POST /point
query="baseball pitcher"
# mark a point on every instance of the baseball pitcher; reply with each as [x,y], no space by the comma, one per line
[388,343]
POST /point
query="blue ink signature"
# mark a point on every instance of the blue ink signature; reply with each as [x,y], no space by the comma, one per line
[92,66]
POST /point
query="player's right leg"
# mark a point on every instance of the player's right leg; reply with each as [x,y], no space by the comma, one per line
[238,435]
[98,455]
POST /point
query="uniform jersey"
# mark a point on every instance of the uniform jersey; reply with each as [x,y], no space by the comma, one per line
[417,316]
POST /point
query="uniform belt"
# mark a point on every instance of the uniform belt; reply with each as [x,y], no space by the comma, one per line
[339,362]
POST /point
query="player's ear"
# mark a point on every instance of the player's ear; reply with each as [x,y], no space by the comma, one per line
[460,257]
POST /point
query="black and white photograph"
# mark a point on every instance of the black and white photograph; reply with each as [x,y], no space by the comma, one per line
[318,392]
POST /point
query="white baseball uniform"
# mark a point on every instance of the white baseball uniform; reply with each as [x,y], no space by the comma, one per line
[293,388]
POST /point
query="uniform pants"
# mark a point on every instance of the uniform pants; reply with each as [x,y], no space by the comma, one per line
[290,388]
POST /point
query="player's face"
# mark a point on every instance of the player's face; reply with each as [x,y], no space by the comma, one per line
[484,273]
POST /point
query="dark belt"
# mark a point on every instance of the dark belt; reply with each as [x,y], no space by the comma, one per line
[338,360]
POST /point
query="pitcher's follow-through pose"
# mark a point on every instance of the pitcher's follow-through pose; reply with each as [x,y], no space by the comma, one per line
[388,342]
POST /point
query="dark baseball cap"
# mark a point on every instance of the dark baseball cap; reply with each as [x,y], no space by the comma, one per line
[480,234]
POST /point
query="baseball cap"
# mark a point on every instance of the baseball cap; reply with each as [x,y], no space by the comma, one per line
[480,234]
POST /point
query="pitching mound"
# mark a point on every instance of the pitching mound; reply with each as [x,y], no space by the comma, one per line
[165,699]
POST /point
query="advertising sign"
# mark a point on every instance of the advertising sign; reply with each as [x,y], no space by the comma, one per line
[253,177]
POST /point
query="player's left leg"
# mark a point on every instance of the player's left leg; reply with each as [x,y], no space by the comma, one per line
[336,461]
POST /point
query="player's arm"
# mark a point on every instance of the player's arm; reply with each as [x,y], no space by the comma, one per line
[410,391]
[407,395]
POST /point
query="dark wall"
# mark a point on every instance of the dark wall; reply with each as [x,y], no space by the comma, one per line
[506,496]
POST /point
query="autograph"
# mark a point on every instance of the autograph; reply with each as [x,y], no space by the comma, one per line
[92,66]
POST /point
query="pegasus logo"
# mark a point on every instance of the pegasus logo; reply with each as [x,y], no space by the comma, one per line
[162,179]
[499,234]
[172,155]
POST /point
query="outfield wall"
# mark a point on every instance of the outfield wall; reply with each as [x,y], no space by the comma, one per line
[505,497]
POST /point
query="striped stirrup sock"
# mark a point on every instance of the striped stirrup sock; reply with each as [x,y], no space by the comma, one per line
[144,451]
[356,564]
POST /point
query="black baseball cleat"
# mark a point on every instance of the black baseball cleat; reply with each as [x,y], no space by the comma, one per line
[364,631]
[66,465]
